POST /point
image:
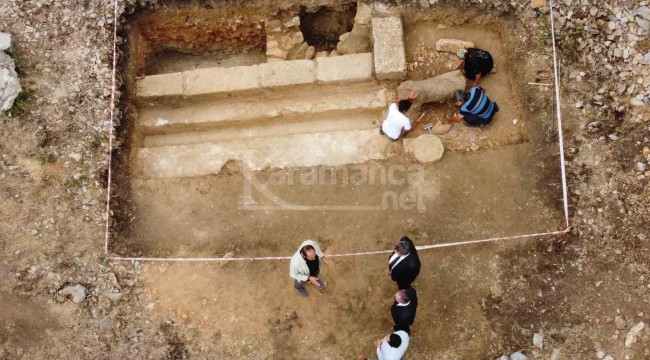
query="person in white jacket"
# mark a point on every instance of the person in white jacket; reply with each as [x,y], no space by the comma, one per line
[392,346]
[305,266]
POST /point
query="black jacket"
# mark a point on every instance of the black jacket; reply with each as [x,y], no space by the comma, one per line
[404,316]
[407,270]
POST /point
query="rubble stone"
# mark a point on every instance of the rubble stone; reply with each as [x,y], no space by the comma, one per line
[9,83]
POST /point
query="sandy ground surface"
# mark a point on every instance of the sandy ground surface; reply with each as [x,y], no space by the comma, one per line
[584,292]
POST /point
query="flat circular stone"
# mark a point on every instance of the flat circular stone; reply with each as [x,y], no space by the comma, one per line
[427,148]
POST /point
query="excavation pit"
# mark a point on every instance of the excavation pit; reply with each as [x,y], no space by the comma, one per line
[202,135]
[251,159]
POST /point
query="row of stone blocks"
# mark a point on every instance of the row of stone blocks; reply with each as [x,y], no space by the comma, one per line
[248,79]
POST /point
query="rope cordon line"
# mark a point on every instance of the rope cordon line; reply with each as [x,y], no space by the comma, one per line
[559,118]
[422,247]
[109,182]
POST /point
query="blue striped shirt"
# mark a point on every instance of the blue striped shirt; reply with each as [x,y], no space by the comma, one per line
[478,104]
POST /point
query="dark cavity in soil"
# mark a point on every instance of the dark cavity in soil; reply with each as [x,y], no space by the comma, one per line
[323,27]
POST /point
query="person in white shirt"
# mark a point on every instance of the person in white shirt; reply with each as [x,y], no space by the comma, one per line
[392,346]
[397,124]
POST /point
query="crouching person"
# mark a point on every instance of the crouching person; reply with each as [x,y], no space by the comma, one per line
[476,108]
[305,267]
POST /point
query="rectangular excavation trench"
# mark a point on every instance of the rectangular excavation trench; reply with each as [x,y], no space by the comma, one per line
[307,131]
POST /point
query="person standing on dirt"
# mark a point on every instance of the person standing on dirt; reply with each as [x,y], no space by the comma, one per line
[475,64]
[476,108]
[404,263]
[305,267]
[397,124]
[391,347]
[404,308]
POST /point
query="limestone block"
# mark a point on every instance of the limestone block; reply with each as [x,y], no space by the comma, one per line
[321,54]
[426,148]
[221,80]
[353,67]
[160,85]
[388,48]
[452,45]
[285,73]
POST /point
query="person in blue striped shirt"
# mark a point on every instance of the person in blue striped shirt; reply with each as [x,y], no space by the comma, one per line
[476,108]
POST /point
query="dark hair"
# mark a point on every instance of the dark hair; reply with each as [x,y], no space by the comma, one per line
[303,251]
[403,246]
[404,105]
[404,295]
[394,340]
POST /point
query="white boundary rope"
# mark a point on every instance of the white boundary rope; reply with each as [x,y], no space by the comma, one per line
[423,247]
[110,132]
[559,118]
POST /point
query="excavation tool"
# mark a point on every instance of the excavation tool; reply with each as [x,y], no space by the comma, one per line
[428,126]
[420,118]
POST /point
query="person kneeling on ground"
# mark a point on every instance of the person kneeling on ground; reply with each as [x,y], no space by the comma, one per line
[397,123]
[391,347]
[475,64]
[475,107]
[305,266]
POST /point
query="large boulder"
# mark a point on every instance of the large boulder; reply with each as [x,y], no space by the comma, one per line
[9,84]
[425,148]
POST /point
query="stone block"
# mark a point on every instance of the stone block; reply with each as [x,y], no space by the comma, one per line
[452,45]
[388,48]
[221,80]
[353,67]
[163,85]
[286,73]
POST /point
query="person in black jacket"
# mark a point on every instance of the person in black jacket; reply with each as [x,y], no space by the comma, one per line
[404,263]
[404,308]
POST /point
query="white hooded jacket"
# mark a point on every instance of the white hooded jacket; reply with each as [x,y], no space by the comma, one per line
[298,268]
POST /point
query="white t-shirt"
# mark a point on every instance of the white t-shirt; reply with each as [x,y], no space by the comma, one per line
[387,352]
[395,122]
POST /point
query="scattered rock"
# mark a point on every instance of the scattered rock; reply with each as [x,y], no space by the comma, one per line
[76,292]
[619,321]
[518,356]
[5,41]
[633,334]
[9,84]
[555,355]
[106,322]
[613,137]
[440,129]
[74,156]
[114,297]
[538,340]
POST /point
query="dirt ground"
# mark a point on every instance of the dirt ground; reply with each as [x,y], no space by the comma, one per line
[583,292]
